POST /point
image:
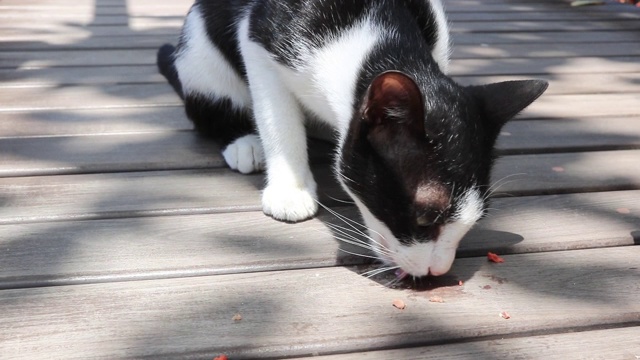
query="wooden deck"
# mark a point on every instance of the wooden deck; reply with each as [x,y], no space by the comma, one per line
[122,234]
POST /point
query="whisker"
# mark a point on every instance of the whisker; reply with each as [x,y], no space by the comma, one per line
[393,282]
[351,223]
[359,255]
[341,201]
[500,183]
[375,272]
[345,231]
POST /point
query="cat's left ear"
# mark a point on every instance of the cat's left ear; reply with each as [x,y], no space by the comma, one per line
[393,98]
[502,101]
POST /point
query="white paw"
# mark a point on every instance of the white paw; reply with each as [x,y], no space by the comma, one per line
[245,154]
[289,203]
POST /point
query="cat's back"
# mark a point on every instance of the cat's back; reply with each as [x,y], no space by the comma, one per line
[289,28]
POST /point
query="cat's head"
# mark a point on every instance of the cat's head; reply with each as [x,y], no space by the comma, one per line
[417,159]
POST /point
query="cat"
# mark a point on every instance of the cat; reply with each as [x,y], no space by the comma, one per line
[414,148]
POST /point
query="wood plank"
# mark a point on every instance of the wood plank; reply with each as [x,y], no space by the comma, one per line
[555,37]
[499,66]
[43,198]
[568,172]
[622,345]
[45,59]
[93,31]
[57,19]
[97,121]
[90,196]
[87,97]
[529,66]
[73,41]
[296,313]
[30,42]
[558,14]
[568,83]
[121,15]
[538,26]
[92,3]
[52,56]
[148,74]
[533,136]
[169,150]
[547,50]
[153,95]
[123,152]
[172,25]
[94,75]
[84,11]
[471,47]
[453,8]
[40,59]
[579,106]
[73,252]
[135,194]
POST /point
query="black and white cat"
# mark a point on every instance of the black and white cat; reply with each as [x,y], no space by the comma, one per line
[414,149]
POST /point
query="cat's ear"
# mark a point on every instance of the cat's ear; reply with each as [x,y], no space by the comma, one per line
[394,98]
[504,100]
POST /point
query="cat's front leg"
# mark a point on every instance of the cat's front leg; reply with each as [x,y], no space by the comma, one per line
[290,194]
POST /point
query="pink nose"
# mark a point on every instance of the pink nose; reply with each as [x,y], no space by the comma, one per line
[435,272]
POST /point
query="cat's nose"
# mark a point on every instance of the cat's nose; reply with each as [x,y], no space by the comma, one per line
[435,272]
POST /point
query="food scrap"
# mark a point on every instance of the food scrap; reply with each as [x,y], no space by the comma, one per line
[399,304]
[221,357]
[505,315]
[436,299]
[236,317]
[460,283]
[494,257]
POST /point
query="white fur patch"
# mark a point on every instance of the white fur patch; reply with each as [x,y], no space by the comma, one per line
[290,193]
[334,69]
[203,69]
[442,49]
[245,154]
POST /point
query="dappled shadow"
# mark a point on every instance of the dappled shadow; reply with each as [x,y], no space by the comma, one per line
[151,226]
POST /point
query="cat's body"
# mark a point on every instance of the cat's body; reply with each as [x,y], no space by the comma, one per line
[414,148]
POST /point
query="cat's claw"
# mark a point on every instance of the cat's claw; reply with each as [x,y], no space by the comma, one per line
[245,154]
[289,204]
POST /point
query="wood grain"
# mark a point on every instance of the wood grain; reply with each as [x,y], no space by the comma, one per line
[122,235]
[88,196]
[295,313]
[556,346]
[174,150]
[569,135]
[544,66]
[530,50]
[152,95]
[561,83]
[173,246]
[68,122]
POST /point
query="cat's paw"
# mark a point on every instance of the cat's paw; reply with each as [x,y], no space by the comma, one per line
[245,154]
[289,204]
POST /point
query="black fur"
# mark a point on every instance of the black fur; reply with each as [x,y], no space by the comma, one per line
[221,16]
[218,119]
[168,69]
